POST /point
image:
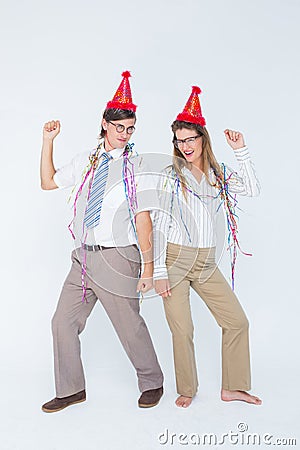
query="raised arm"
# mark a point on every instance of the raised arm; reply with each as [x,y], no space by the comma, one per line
[243,182]
[47,170]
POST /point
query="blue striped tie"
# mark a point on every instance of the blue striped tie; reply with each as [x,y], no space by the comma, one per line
[93,210]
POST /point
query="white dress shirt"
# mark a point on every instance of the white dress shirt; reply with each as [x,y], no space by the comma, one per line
[192,222]
[115,228]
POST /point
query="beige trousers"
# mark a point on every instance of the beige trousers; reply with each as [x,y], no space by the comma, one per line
[196,268]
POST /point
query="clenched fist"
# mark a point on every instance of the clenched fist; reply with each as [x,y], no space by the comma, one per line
[234,138]
[51,129]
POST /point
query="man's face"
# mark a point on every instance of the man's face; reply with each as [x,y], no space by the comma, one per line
[118,132]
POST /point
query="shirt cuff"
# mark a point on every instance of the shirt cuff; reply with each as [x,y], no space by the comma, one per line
[242,154]
[160,273]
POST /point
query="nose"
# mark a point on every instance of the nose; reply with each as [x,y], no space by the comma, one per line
[124,134]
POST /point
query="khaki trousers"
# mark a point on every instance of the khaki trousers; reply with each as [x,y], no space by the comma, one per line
[112,278]
[196,268]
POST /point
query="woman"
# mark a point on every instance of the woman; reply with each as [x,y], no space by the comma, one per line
[191,191]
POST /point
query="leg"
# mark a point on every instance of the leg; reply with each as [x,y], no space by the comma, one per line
[178,314]
[121,267]
[135,338]
[67,323]
[225,307]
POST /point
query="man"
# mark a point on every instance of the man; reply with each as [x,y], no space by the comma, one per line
[111,220]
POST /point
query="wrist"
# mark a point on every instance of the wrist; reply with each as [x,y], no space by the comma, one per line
[148,269]
[47,140]
[240,147]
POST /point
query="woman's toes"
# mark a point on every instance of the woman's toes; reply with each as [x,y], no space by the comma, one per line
[183,402]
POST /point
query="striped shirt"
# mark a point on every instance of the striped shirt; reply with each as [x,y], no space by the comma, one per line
[192,222]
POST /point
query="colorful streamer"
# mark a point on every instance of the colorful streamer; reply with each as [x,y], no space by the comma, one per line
[229,203]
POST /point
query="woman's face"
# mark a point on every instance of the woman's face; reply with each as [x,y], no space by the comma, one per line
[189,143]
[118,133]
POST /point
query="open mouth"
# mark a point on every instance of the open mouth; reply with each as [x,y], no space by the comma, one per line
[188,152]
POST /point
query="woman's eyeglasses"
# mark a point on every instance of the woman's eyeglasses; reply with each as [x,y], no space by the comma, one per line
[179,143]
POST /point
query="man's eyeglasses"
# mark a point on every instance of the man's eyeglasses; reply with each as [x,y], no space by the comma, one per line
[120,128]
[179,143]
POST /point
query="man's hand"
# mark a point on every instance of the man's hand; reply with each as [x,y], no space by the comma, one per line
[234,138]
[162,288]
[51,129]
[145,283]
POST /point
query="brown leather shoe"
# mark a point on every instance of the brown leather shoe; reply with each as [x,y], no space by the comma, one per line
[150,398]
[56,404]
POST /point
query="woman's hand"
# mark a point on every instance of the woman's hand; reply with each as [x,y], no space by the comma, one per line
[51,129]
[162,288]
[234,138]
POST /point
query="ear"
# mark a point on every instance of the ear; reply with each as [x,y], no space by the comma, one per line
[104,124]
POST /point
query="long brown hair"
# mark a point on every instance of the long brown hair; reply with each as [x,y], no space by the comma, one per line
[208,157]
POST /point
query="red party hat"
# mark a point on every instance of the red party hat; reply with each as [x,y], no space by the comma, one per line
[122,98]
[192,110]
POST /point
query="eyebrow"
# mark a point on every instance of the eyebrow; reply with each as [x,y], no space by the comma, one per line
[118,123]
[189,137]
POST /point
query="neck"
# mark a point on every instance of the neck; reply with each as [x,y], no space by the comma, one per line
[195,166]
[107,145]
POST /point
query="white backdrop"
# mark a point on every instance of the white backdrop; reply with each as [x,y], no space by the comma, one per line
[63,60]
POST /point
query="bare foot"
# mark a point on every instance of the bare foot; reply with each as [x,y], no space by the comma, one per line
[229,396]
[183,402]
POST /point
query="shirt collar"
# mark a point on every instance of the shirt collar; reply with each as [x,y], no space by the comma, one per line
[116,153]
[188,174]
[187,171]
